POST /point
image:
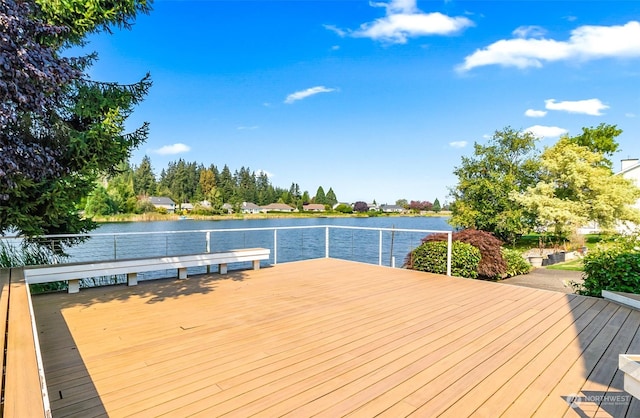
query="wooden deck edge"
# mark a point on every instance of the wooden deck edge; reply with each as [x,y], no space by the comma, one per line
[24,384]
[626,299]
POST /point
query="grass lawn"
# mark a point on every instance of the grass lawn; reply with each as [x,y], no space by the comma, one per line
[573,265]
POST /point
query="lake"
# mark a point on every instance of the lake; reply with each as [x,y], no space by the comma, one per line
[375,240]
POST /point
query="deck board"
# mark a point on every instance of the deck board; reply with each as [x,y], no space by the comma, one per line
[331,338]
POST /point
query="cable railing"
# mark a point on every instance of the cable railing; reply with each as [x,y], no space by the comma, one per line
[381,246]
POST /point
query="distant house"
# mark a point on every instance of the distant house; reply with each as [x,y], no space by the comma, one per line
[391,208]
[372,206]
[249,207]
[631,170]
[343,203]
[277,207]
[227,207]
[186,206]
[313,207]
[163,202]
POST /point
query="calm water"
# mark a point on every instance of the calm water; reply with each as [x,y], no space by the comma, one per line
[307,240]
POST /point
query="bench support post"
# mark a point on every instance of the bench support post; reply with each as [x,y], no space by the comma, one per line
[256,264]
[182,273]
[222,268]
[132,279]
[74,286]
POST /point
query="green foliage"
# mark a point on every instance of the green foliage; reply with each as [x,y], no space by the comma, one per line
[331,198]
[600,140]
[31,254]
[436,206]
[481,198]
[577,187]
[100,203]
[492,265]
[516,264]
[144,206]
[83,17]
[616,268]
[144,181]
[320,196]
[432,257]
[67,143]
[342,208]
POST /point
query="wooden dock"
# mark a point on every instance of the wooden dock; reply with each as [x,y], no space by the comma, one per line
[334,338]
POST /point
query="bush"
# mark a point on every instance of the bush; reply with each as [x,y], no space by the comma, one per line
[516,264]
[492,265]
[616,269]
[342,208]
[432,257]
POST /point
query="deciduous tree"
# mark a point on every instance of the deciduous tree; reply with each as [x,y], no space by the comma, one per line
[509,162]
[576,188]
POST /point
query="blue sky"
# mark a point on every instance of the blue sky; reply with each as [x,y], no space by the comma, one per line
[375,100]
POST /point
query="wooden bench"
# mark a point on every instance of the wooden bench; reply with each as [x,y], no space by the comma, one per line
[73,272]
[24,386]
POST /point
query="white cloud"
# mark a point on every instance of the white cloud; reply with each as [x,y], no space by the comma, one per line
[336,29]
[404,20]
[630,115]
[303,94]
[588,107]
[172,149]
[247,128]
[540,131]
[585,43]
[458,144]
[529,32]
[532,113]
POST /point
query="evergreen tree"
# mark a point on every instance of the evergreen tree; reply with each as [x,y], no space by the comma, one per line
[226,185]
[320,197]
[144,181]
[59,130]
[436,206]
[331,198]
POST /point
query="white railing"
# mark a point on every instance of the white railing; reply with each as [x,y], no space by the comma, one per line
[366,244]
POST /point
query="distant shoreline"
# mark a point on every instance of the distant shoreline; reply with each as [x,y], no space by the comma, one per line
[155,217]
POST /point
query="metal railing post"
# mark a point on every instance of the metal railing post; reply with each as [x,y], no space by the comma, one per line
[208,239]
[449,249]
[275,247]
[380,248]
[326,242]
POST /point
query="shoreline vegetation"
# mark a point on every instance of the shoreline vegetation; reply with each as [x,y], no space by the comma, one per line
[154,217]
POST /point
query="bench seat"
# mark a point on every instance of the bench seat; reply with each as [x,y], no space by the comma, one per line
[73,272]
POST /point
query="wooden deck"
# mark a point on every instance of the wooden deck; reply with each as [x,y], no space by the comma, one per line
[333,338]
